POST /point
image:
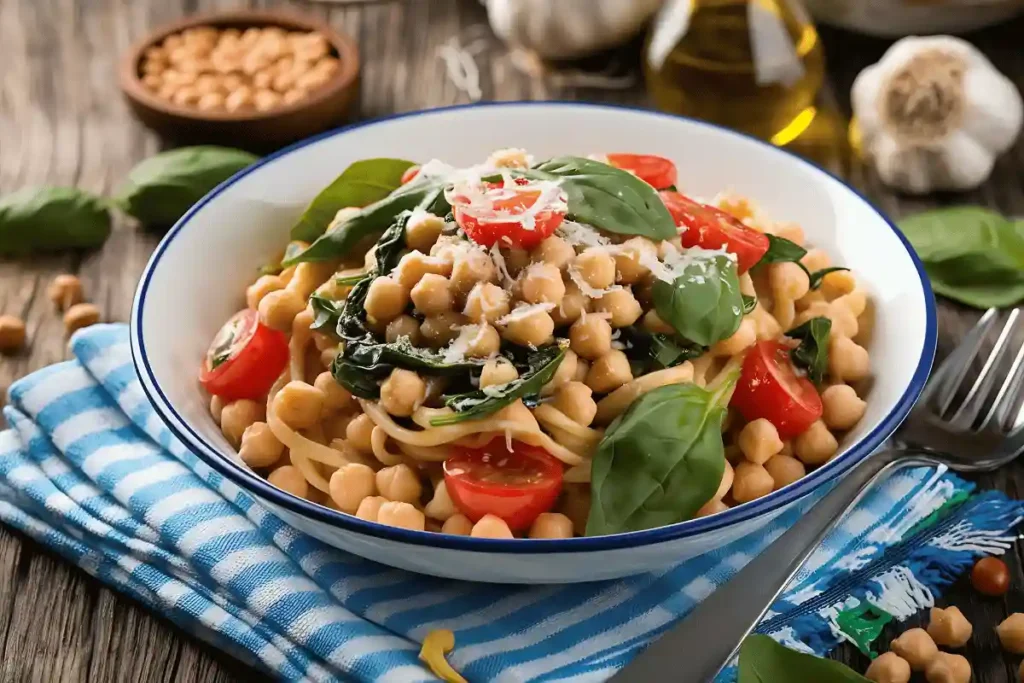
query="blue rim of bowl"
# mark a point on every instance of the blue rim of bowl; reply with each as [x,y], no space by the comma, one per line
[261,489]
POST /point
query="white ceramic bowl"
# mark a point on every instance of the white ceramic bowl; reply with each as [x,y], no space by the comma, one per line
[197,276]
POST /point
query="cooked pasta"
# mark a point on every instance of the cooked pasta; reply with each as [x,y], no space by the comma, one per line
[541,350]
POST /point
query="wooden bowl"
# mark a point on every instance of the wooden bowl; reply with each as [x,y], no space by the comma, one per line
[321,109]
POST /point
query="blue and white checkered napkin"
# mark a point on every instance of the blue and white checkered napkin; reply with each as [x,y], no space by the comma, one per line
[89,470]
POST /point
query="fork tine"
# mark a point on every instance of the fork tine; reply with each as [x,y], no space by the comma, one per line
[1008,394]
[959,362]
[972,405]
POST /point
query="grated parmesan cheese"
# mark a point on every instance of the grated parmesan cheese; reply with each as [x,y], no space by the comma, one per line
[456,351]
[581,235]
[499,261]
[584,286]
[522,312]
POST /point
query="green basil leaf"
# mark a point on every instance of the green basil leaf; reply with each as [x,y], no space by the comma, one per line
[426,193]
[762,660]
[52,218]
[970,254]
[609,198]
[750,303]
[704,304]
[781,250]
[362,183]
[159,190]
[818,276]
[651,351]
[326,314]
[541,367]
[661,460]
[812,353]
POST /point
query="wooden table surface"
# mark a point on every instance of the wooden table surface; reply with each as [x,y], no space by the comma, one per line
[62,121]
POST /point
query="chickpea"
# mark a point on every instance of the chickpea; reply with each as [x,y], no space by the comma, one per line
[855,302]
[289,479]
[1011,633]
[576,401]
[784,470]
[542,283]
[264,285]
[712,507]
[402,393]
[12,333]
[292,96]
[470,268]
[565,372]
[917,647]
[484,341]
[440,506]
[438,330]
[554,251]
[847,361]
[609,372]
[816,259]
[759,441]
[422,231]
[837,284]
[152,82]
[278,308]
[551,525]
[751,481]
[399,482]
[590,337]
[207,84]
[430,296]
[239,99]
[740,340]
[888,668]
[358,433]
[949,627]
[491,526]
[844,322]
[653,323]
[497,371]
[369,508]
[210,102]
[573,305]
[596,267]
[622,305]
[582,368]
[403,326]
[65,291]
[260,448]
[336,397]
[79,316]
[311,80]
[350,484]
[948,668]
[299,405]
[628,266]
[414,265]
[186,96]
[386,299]
[788,281]
[216,408]
[815,446]
[842,408]
[533,329]
[457,525]
[401,515]
[487,302]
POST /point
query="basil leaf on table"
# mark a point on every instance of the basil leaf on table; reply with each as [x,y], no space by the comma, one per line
[812,353]
[704,304]
[474,405]
[762,660]
[362,183]
[159,190]
[608,198]
[52,218]
[971,254]
[661,460]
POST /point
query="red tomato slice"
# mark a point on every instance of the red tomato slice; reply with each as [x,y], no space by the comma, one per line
[770,388]
[656,171]
[516,485]
[245,358]
[497,217]
[410,174]
[712,228]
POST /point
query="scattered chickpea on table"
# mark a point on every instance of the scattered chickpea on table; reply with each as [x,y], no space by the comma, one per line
[234,70]
[67,295]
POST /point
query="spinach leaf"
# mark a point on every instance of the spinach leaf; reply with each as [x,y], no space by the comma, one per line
[159,190]
[817,277]
[474,405]
[704,304]
[749,304]
[971,254]
[650,351]
[326,314]
[361,382]
[661,460]
[425,193]
[762,660]
[349,280]
[608,198]
[50,219]
[812,353]
[351,325]
[781,250]
[362,183]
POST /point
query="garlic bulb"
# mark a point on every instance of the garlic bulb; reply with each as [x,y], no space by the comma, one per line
[934,114]
[565,29]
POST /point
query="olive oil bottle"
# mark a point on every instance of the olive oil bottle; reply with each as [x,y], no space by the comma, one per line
[753,65]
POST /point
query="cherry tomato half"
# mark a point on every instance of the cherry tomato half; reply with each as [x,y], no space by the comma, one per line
[770,388]
[410,174]
[713,228]
[498,216]
[244,359]
[656,171]
[516,485]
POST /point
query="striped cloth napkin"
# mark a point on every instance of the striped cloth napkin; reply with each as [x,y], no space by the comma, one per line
[89,470]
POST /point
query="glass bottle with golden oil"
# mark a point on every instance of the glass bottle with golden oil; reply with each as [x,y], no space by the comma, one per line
[753,65]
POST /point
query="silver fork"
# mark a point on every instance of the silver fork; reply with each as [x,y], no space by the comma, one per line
[942,429]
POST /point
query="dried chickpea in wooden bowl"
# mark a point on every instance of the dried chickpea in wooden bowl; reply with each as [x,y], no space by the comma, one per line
[251,79]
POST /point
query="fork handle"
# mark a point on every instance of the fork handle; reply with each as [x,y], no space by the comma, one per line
[698,648]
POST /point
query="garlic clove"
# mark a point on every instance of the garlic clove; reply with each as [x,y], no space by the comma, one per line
[994,109]
[862,97]
[964,160]
[902,168]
